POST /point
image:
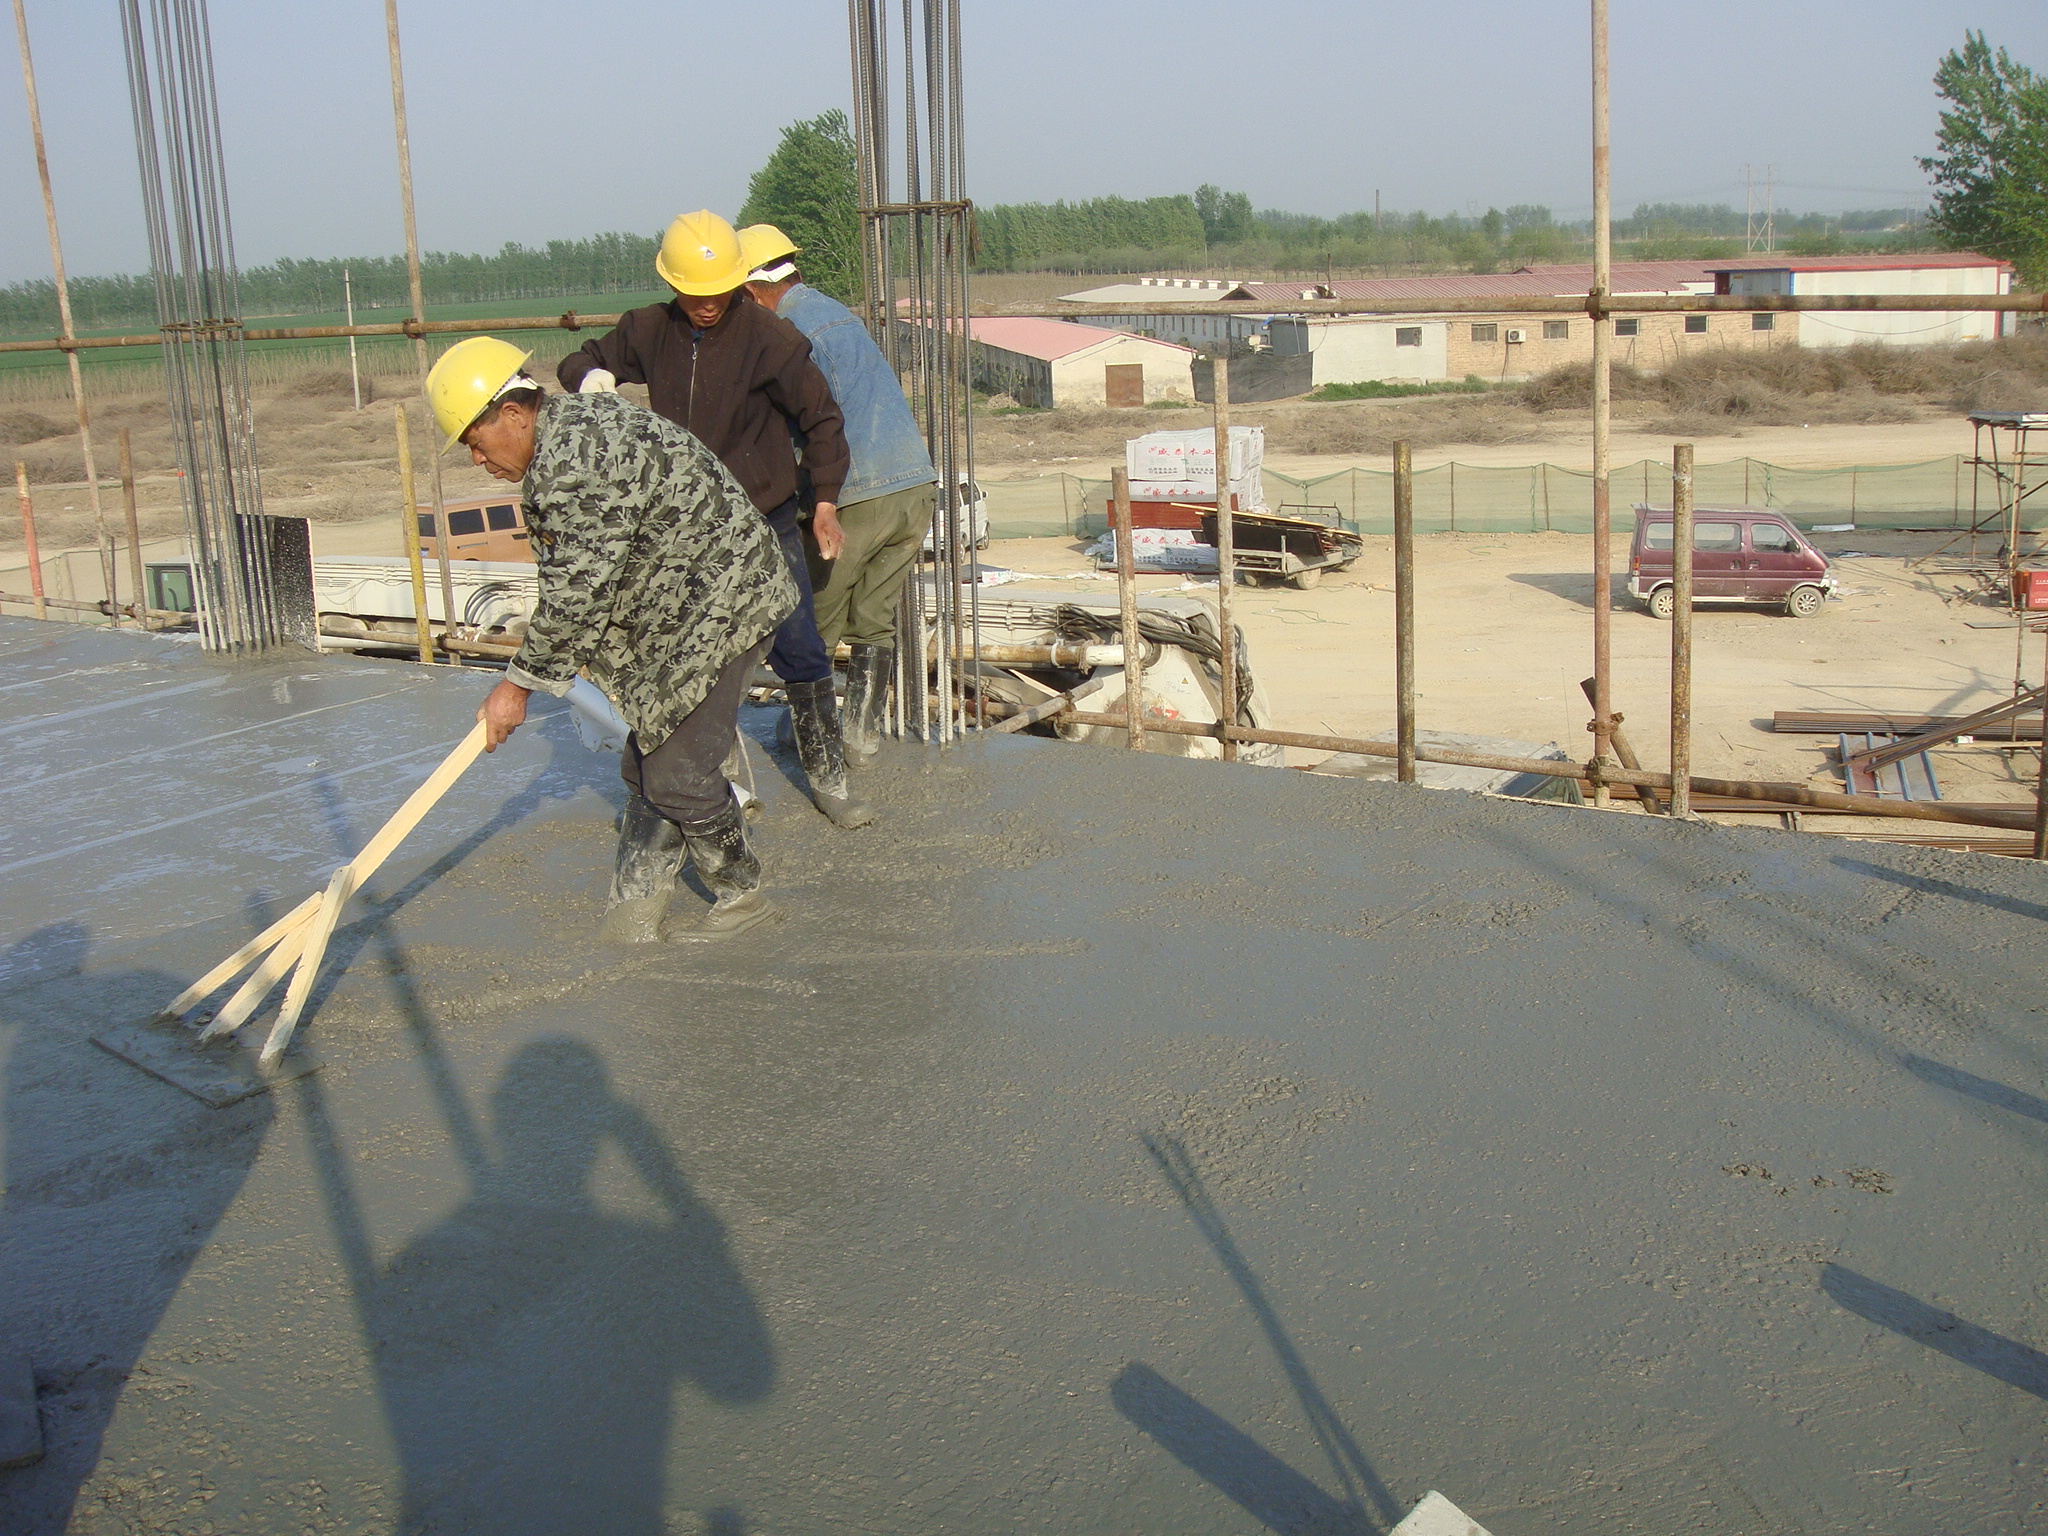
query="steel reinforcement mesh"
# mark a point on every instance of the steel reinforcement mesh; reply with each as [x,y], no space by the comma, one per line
[1473,498]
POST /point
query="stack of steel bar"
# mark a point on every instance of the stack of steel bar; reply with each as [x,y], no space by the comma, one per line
[192,257]
[922,243]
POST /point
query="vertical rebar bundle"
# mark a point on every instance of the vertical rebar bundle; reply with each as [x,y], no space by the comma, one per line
[923,242]
[198,295]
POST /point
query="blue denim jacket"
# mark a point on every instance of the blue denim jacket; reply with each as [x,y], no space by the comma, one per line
[888,451]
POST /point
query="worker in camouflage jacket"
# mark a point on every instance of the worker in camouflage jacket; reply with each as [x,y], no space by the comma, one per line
[657,575]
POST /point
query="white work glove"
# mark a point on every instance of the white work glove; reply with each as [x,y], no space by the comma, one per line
[599,381]
[598,721]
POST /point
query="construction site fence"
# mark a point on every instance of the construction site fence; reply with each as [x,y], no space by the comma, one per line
[1537,498]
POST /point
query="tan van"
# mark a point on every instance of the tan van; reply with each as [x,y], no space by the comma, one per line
[486,528]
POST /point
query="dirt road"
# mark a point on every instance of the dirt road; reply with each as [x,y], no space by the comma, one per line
[1505,633]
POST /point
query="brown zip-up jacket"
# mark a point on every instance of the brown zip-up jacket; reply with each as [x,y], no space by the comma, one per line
[739,388]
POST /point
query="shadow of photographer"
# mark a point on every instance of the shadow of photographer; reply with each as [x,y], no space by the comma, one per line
[528,1346]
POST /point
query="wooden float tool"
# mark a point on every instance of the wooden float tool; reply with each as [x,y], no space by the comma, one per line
[204,1056]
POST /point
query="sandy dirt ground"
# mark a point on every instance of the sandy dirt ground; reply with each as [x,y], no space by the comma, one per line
[1504,633]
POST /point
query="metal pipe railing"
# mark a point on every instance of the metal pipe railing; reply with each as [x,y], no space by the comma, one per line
[1533,304]
[2017,819]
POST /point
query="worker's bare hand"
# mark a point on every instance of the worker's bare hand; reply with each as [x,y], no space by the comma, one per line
[503,712]
[826,530]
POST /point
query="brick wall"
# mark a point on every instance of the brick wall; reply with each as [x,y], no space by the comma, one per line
[1660,340]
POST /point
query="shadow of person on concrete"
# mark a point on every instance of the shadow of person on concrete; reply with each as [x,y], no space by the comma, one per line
[528,1346]
[1224,1462]
[1970,1085]
[2015,1364]
[1927,885]
[1229,1460]
[114,1183]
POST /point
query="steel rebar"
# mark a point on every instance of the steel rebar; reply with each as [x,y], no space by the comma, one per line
[924,240]
[1603,558]
[174,102]
[1127,607]
[1404,612]
[134,517]
[28,538]
[1226,548]
[1681,629]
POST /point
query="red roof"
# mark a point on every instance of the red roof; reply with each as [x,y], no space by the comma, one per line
[1049,340]
[1544,281]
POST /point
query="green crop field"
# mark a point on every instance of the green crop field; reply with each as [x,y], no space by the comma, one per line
[43,375]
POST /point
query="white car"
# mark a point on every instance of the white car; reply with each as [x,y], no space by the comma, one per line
[972,524]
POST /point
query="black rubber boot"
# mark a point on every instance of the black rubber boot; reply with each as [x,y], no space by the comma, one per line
[867,691]
[727,866]
[814,720]
[644,873]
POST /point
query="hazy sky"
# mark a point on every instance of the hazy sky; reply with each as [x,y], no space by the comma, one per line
[533,119]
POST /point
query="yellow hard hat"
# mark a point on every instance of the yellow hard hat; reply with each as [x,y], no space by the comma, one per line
[762,245]
[700,255]
[461,386]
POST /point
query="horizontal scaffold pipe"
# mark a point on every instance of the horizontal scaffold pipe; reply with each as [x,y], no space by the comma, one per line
[1505,304]
[1549,304]
[102,607]
[571,321]
[2019,818]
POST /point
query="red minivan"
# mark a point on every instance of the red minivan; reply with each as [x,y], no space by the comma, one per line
[1739,555]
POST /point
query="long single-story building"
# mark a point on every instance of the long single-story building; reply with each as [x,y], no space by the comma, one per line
[1060,362]
[1512,344]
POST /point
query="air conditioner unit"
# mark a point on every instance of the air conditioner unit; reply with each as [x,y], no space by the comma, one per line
[1517,335]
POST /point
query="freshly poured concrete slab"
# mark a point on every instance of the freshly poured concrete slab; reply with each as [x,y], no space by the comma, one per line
[1100,1145]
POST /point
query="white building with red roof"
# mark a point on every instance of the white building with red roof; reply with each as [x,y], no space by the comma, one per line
[1059,362]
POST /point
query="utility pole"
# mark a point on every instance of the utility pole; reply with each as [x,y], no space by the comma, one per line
[1603,331]
[1748,208]
[348,304]
[1770,208]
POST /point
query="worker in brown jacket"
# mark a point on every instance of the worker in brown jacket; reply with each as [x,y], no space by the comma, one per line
[743,383]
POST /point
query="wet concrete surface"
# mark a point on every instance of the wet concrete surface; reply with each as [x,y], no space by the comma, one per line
[1099,1146]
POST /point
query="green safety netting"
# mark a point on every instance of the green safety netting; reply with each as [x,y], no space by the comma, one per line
[1475,498]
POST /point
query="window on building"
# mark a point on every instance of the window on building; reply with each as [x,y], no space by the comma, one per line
[1628,327]
[1407,335]
[1490,331]
[1695,325]
[1763,320]
[1557,330]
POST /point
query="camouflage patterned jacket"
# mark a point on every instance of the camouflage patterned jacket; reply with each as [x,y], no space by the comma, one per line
[655,569]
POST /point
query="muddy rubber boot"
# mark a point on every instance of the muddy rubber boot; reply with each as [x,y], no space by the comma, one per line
[729,869]
[650,855]
[867,690]
[738,769]
[814,719]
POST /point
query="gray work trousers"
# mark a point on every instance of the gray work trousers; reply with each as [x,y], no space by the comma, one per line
[680,778]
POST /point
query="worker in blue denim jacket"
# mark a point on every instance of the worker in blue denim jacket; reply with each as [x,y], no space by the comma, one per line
[885,506]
